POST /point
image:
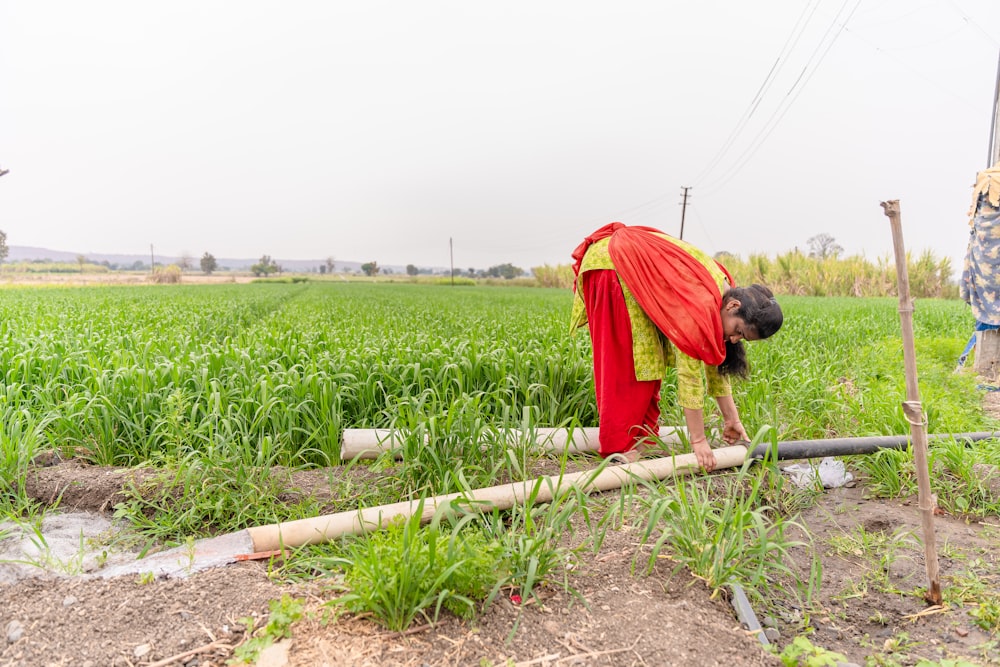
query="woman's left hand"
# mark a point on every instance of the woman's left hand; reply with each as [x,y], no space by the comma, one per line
[733,432]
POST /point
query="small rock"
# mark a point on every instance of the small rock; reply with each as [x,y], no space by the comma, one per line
[770,622]
[899,569]
[772,634]
[45,459]
[88,663]
[275,655]
[15,630]
[141,650]
[69,600]
[961,632]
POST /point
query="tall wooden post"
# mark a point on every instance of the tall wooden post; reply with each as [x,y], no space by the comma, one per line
[994,154]
[912,408]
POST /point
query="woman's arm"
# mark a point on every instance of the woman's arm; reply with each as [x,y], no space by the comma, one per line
[695,421]
[732,428]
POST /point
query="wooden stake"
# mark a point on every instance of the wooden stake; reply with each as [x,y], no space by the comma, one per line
[912,408]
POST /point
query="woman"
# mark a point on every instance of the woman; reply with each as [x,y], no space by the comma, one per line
[651,302]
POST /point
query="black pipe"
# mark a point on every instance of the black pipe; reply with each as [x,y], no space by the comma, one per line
[809,449]
[744,612]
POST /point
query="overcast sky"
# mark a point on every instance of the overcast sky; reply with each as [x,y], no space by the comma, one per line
[368,130]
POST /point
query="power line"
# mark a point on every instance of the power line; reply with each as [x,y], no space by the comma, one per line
[975,25]
[808,70]
[790,42]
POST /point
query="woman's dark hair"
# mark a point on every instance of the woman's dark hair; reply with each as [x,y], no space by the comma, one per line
[763,318]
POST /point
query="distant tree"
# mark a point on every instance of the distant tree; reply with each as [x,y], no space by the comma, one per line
[208,263]
[724,256]
[507,271]
[370,268]
[4,250]
[411,270]
[81,260]
[322,269]
[265,266]
[823,246]
[185,261]
[138,265]
[329,264]
[472,272]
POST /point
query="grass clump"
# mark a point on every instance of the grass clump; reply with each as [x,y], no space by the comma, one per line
[532,538]
[205,494]
[737,538]
[20,441]
[407,571]
[964,476]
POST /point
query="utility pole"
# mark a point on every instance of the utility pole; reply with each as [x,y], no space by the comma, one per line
[451,253]
[151,258]
[684,206]
[994,155]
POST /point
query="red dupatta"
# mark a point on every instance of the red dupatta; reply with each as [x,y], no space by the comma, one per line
[671,286]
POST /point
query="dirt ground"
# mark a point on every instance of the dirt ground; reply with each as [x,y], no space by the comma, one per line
[626,619]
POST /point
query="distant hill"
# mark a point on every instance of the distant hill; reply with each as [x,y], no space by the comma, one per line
[29,253]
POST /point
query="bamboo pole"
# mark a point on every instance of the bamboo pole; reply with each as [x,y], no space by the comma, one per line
[328,527]
[912,408]
[259,541]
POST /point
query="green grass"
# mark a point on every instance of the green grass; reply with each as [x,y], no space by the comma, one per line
[961,474]
[411,571]
[723,537]
[130,375]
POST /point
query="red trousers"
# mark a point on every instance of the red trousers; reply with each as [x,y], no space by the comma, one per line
[628,409]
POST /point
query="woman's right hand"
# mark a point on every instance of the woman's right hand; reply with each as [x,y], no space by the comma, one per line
[703,452]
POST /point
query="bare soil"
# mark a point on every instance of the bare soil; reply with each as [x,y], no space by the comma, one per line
[625,617]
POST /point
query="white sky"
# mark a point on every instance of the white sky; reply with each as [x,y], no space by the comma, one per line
[368,130]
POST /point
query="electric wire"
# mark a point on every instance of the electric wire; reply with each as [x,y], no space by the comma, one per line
[975,25]
[790,42]
[808,71]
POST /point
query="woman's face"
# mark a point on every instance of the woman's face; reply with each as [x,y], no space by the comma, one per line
[734,328]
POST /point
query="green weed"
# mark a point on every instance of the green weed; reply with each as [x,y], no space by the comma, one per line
[803,653]
[407,571]
[283,613]
[721,540]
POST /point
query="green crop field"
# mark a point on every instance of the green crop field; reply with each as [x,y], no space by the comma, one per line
[129,375]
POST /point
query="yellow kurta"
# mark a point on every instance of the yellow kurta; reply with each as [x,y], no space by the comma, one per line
[653,354]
